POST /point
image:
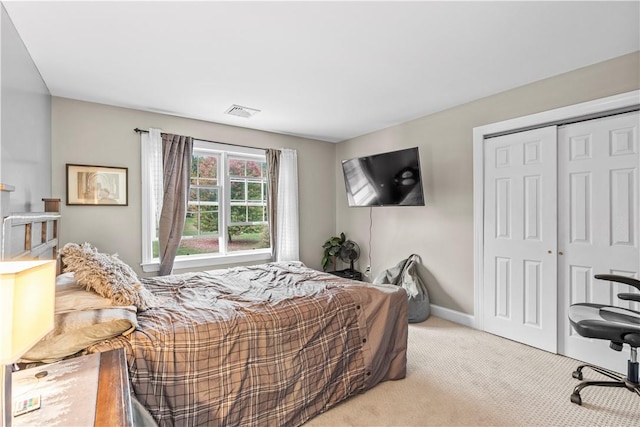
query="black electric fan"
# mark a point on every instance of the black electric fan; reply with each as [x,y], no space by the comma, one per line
[349,252]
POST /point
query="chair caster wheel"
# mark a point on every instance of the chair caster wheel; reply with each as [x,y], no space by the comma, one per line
[577,375]
[575,398]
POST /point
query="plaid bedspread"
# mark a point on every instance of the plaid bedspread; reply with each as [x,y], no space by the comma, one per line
[267,345]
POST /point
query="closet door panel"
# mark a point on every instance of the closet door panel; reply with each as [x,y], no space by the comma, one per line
[597,223]
[622,210]
[580,207]
[520,237]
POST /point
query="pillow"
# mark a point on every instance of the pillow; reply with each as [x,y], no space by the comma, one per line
[66,280]
[77,330]
[79,299]
[71,296]
[107,275]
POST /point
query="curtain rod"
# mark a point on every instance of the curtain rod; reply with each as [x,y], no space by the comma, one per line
[138,130]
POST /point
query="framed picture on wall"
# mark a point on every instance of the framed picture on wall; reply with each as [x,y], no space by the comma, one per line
[97,185]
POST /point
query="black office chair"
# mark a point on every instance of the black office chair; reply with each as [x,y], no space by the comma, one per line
[618,325]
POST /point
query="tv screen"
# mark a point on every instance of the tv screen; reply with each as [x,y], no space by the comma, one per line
[386,179]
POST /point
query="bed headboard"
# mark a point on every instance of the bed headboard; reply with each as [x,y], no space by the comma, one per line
[31,235]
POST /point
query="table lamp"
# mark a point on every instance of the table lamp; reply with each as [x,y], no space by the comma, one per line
[27,300]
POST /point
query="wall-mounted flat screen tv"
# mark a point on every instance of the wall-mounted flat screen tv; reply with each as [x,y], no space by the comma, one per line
[386,179]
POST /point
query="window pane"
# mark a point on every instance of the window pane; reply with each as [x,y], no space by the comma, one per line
[207,182]
[195,160]
[238,214]
[208,194]
[201,220]
[191,224]
[254,168]
[190,246]
[256,213]
[209,222]
[237,191]
[203,195]
[204,170]
[196,246]
[254,191]
[237,167]
[245,238]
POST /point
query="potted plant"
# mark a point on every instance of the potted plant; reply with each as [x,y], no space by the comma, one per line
[331,249]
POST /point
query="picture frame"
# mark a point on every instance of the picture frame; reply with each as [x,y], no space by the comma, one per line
[89,185]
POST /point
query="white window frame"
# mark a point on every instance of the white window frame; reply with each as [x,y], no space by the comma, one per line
[151,264]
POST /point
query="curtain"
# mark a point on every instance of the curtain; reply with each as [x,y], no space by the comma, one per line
[176,160]
[287,228]
[151,172]
[273,169]
[153,153]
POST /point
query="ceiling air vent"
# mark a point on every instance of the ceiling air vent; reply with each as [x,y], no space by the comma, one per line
[240,111]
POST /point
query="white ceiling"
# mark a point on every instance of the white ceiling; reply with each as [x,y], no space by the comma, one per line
[324,70]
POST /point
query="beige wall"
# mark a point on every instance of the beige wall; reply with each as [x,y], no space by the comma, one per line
[25,123]
[95,134]
[442,231]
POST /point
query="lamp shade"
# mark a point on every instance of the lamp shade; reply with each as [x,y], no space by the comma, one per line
[27,302]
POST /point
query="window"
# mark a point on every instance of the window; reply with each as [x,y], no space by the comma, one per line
[226,219]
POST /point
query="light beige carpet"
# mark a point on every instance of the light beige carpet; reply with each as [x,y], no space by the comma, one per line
[458,376]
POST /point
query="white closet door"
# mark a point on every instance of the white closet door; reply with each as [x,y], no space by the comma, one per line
[598,224]
[520,215]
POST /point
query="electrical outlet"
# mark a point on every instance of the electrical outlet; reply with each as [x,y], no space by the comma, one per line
[367,271]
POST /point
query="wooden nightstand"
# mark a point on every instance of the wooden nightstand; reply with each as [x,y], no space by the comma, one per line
[79,391]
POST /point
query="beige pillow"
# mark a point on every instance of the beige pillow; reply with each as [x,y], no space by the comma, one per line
[77,330]
[107,275]
[71,296]
[79,299]
[66,280]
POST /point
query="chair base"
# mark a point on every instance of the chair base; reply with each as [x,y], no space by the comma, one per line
[630,382]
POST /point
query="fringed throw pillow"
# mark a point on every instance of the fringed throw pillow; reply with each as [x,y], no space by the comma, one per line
[106,275]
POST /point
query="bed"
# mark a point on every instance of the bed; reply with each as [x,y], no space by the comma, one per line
[272,344]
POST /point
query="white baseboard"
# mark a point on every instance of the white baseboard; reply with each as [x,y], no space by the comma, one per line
[453,316]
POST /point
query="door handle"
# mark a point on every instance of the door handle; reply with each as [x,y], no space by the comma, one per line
[559,253]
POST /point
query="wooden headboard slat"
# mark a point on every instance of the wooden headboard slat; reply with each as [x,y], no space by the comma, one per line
[38,250]
[30,249]
[30,217]
[43,232]
[27,236]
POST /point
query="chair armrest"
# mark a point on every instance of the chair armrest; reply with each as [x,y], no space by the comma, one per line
[630,297]
[622,279]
